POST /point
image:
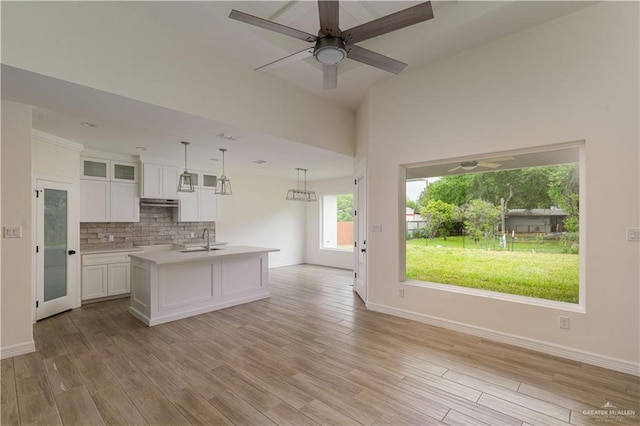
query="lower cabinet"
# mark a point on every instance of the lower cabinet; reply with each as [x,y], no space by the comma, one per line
[105,275]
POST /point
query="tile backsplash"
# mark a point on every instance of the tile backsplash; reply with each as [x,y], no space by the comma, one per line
[157,226]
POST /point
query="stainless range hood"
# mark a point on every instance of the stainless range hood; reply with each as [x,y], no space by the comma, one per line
[157,202]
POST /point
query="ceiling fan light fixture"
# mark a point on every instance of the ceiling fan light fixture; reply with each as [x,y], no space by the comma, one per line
[469,165]
[298,194]
[185,182]
[329,51]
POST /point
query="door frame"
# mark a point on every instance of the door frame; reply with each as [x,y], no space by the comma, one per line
[360,205]
[73,222]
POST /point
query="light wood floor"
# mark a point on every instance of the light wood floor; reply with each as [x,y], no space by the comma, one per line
[310,354]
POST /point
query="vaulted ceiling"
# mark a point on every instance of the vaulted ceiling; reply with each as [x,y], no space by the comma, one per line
[124,124]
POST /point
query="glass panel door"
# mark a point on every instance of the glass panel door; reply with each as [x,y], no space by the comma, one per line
[57,225]
[55,244]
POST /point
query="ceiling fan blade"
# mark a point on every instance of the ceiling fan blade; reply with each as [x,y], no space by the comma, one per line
[329,76]
[286,60]
[488,165]
[386,24]
[374,59]
[329,17]
[455,168]
[500,160]
[272,26]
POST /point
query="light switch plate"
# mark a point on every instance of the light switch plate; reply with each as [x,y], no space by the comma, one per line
[633,234]
[13,231]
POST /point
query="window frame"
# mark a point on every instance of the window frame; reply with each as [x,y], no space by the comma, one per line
[579,307]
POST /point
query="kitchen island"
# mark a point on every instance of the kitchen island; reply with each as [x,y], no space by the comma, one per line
[171,285]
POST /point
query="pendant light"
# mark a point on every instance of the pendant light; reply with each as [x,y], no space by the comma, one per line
[301,194]
[185,183]
[223,186]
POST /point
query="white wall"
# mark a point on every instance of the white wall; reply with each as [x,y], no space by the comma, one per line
[17,334]
[113,47]
[314,254]
[257,214]
[575,78]
[54,156]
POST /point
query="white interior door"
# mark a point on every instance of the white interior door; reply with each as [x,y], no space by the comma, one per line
[56,286]
[360,279]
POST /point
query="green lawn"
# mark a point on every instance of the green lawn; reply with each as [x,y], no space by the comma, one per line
[552,276]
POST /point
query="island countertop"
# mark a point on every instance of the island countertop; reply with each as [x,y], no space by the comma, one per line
[168,257]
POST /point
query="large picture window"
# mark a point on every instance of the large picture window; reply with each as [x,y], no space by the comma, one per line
[337,222]
[507,224]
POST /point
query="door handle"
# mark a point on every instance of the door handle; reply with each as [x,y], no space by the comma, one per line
[363,250]
[72,252]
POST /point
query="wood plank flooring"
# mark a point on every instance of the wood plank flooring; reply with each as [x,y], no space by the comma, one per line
[310,354]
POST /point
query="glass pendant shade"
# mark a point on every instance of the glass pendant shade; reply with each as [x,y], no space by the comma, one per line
[185,183]
[298,194]
[223,186]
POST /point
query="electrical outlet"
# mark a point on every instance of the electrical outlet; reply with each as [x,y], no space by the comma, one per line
[401,292]
[633,234]
[193,235]
[110,238]
[563,322]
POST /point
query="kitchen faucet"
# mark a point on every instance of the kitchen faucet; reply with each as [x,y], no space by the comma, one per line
[206,231]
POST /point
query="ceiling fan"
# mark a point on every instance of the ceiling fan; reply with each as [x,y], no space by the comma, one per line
[489,164]
[333,45]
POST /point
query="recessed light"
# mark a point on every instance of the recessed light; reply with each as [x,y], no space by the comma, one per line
[87,124]
[214,159]
[141,148]
[260,161]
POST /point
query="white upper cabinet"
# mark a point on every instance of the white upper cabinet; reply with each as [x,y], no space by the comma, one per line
[124,172]
[209,181]
[108,170]
[95,201]
[208,205]
[124,202]
[159,181]
[170,176]
[198,206]
[189,206]
[151,181]
[95,168]
[108,190]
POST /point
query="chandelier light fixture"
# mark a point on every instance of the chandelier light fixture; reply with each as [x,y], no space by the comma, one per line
[223,186]
[301,194]
[185,183]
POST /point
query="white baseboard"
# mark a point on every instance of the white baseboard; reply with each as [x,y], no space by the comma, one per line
[19,349]
[523,342]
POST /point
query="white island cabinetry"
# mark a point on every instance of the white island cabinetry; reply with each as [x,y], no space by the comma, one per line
[168,286]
